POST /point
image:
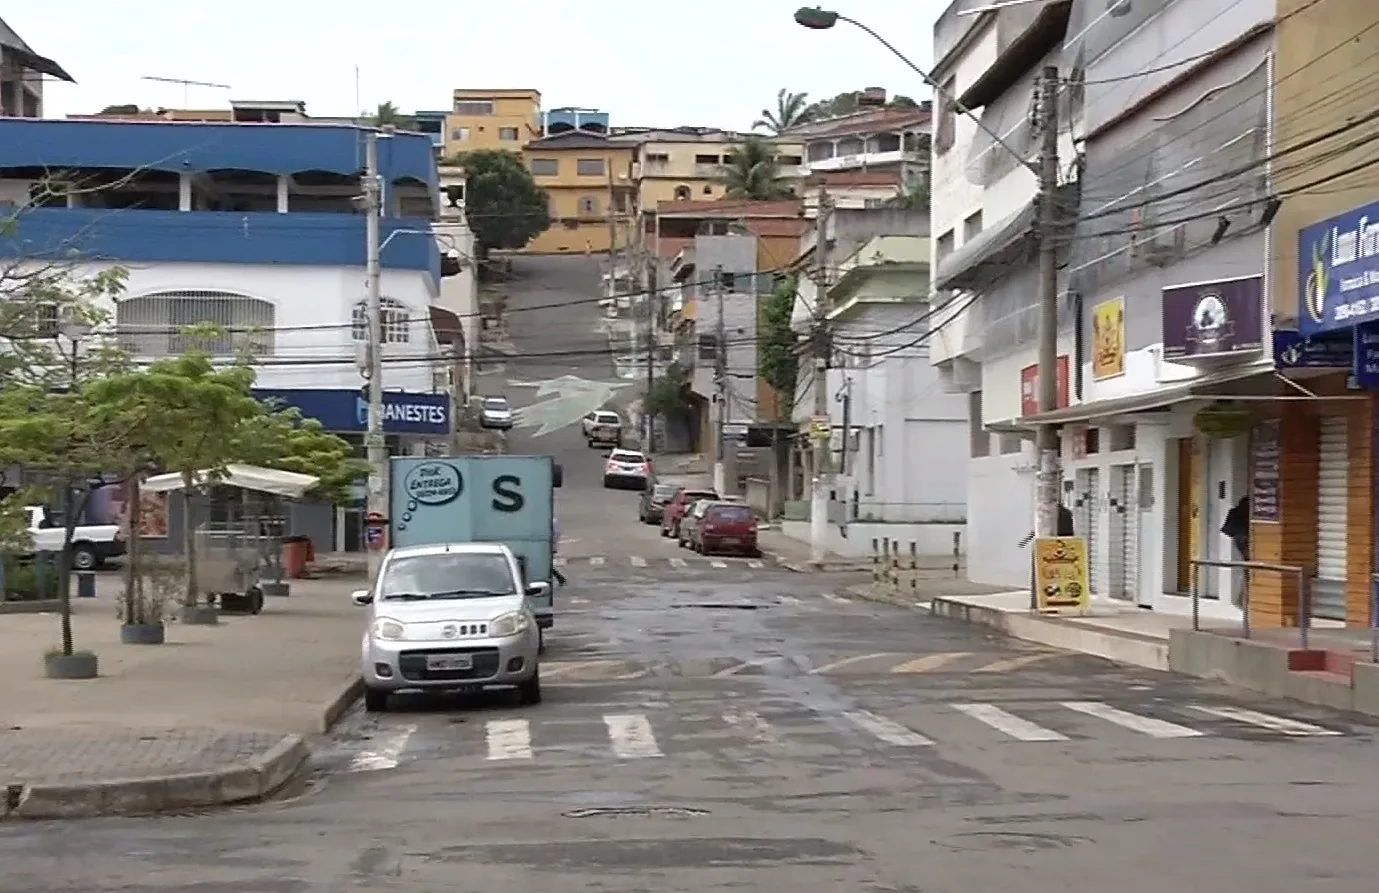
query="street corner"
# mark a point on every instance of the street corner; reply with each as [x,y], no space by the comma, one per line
[141,771]
[873,592]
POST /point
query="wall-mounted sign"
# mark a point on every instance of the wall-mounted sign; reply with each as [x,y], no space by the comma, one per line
[1029,387]
[1365,371]
[1213,320]
[1265,452]
[1293,350]
[1338,271]
[1108,339]
[345,411]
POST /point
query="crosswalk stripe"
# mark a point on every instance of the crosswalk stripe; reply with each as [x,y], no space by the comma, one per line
[597,560]
[755,564]
[508,739]
[559,562]
[677,562]
[714,562]
[849,661]
[751,724]
[836,598]
[886,730]
[631,736]
[386,754]
[1145,725]
[637,561]
[1291,727]
[929,662]
[1009,723]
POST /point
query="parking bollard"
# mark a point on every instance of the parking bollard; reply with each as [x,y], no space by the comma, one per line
[875,561]
[86,584]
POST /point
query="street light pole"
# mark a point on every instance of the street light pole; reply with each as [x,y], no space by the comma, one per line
[374,444]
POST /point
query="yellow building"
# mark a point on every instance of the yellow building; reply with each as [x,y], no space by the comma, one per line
[686,163]
[593,193]
[492,119]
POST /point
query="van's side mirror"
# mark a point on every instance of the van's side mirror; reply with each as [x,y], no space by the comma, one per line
[536,590]
[362,597]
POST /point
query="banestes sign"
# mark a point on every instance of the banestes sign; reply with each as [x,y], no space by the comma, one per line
[1029,387]
[344,411]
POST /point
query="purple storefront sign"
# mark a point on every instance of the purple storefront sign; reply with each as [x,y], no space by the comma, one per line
[1213,319]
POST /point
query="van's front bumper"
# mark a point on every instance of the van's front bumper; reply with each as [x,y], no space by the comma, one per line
[445,665]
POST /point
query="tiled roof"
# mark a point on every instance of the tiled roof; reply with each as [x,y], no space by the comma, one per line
[856,178]
[728,207]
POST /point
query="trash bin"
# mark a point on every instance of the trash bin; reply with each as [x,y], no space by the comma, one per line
[297,552]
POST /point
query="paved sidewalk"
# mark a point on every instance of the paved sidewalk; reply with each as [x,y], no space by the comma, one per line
[218,714]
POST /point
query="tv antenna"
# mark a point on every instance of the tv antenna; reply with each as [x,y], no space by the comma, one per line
[186,86]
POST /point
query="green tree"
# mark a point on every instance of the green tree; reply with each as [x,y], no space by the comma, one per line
[777,359]
[505,207]
[752,172]
[389,115]
[791,110]
[847,103]
[669,396]
[279,437]
[915,197]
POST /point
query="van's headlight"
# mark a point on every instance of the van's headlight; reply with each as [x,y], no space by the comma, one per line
[388,628]
[508,625]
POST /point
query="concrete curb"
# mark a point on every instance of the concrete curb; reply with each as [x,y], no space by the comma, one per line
[869,592]
[339,705]
[252,780]
[1124,648]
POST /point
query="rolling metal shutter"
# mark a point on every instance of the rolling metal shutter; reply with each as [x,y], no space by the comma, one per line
[1333,466]
[1086,519]
[1124,523]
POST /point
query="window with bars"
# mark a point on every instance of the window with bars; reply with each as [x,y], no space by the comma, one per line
[157,325]
[396,329]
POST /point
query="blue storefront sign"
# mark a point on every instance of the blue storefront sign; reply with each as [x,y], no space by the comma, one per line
[1366,369]
[347,412]
[1293,350]
[1338,271]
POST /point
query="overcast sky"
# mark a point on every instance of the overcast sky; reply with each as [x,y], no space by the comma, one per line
[704,63]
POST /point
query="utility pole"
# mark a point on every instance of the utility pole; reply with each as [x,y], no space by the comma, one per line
[651,297]
[822,480]
[1046,443]
[377,450]
[720,377]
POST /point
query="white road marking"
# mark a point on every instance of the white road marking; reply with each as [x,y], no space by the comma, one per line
[849,661]
[637,561]
[929,662]
[715,562]
[788,600]
[1015,663]
[631,736]
[558,562]
[386,753]
[836,598]
[744,667]
[597,561]
[1009,723]
[1282,725]
[676,562]
[755,565]
[887,731]
[1145,725]
[751,724]
[508,739]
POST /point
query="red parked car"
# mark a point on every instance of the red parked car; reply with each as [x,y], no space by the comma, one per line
[726,527]
[678,505]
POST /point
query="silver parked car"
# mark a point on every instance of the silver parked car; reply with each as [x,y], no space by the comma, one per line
[450,617]
[496,413]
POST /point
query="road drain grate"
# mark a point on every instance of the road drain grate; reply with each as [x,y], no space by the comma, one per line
[720,606]
[618,812]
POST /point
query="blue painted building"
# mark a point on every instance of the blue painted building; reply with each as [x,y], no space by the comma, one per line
[258,229]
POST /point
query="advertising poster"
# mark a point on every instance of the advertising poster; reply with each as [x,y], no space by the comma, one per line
[1061,573]
[1108,339]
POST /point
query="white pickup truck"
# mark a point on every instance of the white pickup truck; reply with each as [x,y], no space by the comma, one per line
[92,544]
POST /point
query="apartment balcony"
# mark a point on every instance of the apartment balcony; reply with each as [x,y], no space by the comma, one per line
[864,159]
[215,237]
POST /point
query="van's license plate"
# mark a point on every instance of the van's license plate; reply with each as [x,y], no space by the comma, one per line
[449,662]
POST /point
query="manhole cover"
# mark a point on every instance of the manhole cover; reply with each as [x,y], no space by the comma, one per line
[617,812]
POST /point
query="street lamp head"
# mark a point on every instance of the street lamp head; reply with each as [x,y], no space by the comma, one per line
[816,19]
[73,327]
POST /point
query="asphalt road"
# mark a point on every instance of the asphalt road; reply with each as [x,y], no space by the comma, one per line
[746,728]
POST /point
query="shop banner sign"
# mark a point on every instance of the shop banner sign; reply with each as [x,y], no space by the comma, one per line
[1293,350]
[1366,355]
[1210,320]
[1265,467]
[1061,573]
[1338,271]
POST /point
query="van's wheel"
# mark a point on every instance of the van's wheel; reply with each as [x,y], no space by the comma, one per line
[375,700]
[529,692]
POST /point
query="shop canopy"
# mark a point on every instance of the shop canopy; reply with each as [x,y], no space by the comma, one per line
[287,484]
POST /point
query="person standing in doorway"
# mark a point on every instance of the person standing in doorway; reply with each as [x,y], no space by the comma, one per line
[1237,527]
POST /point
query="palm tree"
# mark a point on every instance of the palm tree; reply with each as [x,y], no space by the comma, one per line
[791,109]
[388,113]
[753,173]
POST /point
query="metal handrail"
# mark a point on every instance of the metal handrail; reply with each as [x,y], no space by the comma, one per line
[1304,591]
